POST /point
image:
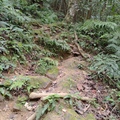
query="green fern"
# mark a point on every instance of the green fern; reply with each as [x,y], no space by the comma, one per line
[114,18]
[107,64]
[91,24]
[19,84]
[44,64]
[56,46]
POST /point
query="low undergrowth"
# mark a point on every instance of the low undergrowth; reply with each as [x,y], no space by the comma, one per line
[103,40]
[17,39]
[45,64]
[16,87]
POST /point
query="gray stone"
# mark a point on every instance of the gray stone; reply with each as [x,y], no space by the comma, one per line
[53,73]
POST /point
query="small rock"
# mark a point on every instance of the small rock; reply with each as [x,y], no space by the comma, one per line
[53,73]
[64,110]
[28,107]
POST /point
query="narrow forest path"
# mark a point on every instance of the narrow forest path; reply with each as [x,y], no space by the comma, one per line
[70,80]
[71,76]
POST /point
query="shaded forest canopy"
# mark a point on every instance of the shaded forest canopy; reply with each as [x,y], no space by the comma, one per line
[32,32]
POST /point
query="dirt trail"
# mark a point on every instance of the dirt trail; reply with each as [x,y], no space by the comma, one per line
[70,79]
[68,72]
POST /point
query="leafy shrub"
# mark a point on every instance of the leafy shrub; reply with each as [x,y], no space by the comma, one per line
[56,46]
[47,16]
[5,93]
[6,64]
[114,18]
[113,100]
[49,105]
[107,68]
[97,34]
[104,38]
[17,86]
[15,34]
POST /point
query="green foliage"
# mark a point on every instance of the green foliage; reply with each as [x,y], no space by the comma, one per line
[50,103]
[114,43]
[114,100]
[6,64]
[5,93]
[96,29]
[56,46]
[96,35]
[16,38]
[105,38]
[22,100]
[45,64]
[18,85]
[114,18]
[47,16]
[107,68]
[47,53]
[17,17]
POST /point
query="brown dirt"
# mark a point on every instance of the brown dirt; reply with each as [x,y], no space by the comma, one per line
[68,72]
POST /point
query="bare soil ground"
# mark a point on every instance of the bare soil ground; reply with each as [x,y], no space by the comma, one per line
[71,79]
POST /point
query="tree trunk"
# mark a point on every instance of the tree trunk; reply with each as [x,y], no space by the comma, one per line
[72,10]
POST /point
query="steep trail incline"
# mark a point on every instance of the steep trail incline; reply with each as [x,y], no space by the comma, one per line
[71,80]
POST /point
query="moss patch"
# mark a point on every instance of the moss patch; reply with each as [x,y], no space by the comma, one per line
[68,83]
[52,116]
[28,83]
[40,81]
[53,73]
[88,117]
[71,115]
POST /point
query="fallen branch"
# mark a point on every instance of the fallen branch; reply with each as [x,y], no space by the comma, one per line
[44,96]
[82,53]
[34,95]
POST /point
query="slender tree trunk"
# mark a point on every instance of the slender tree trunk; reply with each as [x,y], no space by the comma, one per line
[72,10]
[90,10]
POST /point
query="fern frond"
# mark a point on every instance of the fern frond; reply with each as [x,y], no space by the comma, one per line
[96,24]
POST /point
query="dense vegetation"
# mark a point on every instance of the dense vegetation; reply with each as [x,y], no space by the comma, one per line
[96,23]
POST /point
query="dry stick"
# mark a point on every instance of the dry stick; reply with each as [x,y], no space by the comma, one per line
[81,98]
[76,44]
[34,95]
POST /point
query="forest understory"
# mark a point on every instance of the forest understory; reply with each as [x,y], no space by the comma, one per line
[53,66]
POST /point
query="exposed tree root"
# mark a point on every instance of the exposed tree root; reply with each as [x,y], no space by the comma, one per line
[44,96]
